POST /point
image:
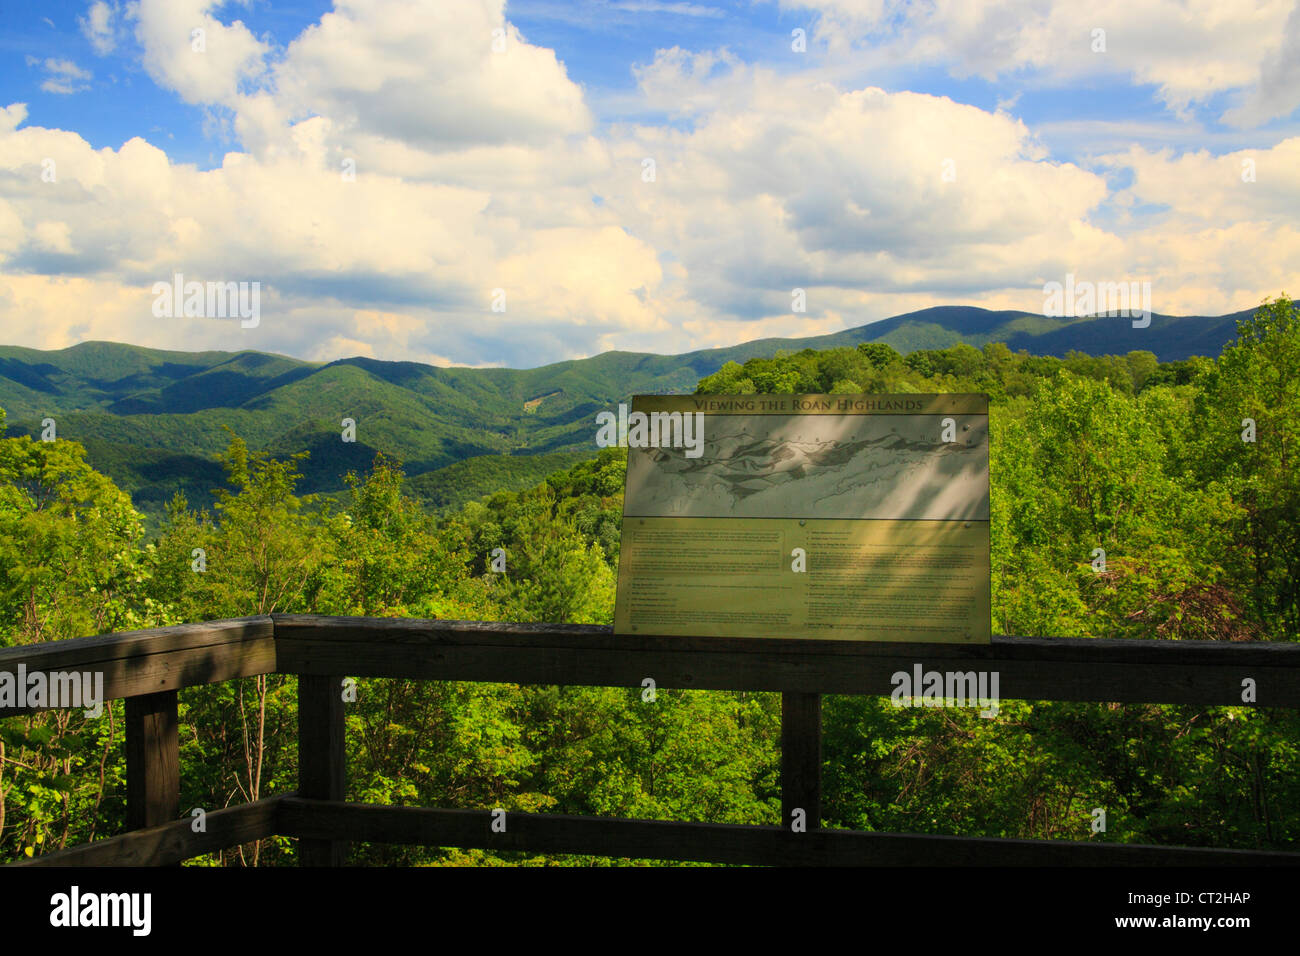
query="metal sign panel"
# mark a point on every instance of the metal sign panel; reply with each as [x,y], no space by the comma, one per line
[847,517]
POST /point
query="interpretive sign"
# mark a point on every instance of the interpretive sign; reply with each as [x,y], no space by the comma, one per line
[847,517]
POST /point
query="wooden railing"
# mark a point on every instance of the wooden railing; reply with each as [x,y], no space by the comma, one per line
[147,668]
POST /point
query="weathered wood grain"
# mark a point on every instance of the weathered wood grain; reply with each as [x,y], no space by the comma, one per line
[162,659]
[1173,672]
[171,842]
[801,758]
[322,771]
[726,843]
[417,630]
[153,760]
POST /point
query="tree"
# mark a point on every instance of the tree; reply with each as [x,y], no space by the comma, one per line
[1253,391]
[263,555]
[69,567]
[879,354]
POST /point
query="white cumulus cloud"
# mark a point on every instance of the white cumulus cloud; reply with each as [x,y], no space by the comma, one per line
[97,27]
[394,169]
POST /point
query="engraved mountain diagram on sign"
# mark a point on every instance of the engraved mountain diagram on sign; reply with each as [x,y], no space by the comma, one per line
[894,466]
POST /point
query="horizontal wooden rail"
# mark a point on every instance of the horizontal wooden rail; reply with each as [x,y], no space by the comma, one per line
[1086,669]
[135,663]
[172,842]
[725,843]
[1030,668]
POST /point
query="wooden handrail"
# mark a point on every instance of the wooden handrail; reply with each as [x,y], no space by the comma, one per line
[172,842]
[728,842]
[135,663]
[149,667]
[1030,668]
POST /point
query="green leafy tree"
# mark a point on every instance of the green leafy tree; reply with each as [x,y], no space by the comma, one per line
[1255,387]
[70,566]
[263,554]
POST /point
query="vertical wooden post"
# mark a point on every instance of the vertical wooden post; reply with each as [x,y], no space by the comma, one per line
[153,760]
[801,757]
[322,773]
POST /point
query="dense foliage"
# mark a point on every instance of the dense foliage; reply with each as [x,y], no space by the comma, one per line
[1145,460]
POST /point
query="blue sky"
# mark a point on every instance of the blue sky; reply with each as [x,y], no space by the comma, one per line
[599,42]
[120,100]
[913,154]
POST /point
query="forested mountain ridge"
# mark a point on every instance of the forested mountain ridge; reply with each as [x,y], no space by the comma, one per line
[155,421]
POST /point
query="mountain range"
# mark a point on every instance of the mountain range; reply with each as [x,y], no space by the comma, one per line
[155,420]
